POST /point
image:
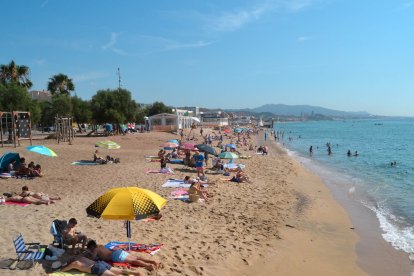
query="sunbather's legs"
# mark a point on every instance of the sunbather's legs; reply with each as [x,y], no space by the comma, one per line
[140,261]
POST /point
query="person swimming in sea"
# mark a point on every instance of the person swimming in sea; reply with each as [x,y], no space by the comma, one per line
[356,153]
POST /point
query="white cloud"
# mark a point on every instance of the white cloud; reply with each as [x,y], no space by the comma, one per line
[111,43]
[234,20]
[302,39]
[40,61]
[173,45]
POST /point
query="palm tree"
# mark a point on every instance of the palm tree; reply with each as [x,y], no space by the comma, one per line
[60,84]
[18,74]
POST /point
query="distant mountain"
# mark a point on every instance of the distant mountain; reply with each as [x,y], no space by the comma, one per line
[302,110]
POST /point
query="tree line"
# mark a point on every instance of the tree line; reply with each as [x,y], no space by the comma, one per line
[106,106]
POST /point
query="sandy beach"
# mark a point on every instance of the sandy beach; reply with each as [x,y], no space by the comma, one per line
[284,223]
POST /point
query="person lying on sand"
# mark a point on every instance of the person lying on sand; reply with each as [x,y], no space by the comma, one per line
[27,199]
[97,158]
[25,192]
[119,256]
[86,265]
[71,236]
[239,177]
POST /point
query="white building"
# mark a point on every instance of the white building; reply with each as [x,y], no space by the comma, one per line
[170,122]
[214,119]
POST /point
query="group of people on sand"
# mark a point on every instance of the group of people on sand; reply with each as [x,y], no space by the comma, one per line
[27,196]
[23,169]
[108,160]
[95,257]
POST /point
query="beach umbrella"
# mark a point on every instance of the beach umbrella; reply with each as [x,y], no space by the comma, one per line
[107,145]
[206,148]
[233,146]
[175,141]
[227,155]
[188,146]
[238,130]
[169,145]
[126,203]
[42,150]
[227,130]
[7,158]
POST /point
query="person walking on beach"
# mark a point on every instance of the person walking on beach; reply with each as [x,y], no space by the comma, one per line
[265,136]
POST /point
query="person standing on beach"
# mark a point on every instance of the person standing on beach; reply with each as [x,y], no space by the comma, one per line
[201,131]
[199,162]
[265,136]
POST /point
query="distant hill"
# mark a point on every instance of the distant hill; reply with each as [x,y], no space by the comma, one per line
[302,110]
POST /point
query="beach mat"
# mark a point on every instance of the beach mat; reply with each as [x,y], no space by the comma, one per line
[175,183]
[15,203]
[71,272]
[137,247]
[84,163]
[163,171]
[152,156]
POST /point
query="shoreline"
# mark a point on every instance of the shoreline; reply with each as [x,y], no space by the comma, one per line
[375,255]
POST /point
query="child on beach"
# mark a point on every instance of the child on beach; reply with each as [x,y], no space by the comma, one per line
[119,256]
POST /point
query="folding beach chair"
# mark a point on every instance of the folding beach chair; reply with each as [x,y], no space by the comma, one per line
[56,229]
[27,251]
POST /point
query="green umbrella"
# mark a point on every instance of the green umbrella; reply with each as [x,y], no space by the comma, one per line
[107,145]
[228,155]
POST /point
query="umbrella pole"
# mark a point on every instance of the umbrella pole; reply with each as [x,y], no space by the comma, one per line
[128,229]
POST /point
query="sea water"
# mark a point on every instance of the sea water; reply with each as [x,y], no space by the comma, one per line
[369,177]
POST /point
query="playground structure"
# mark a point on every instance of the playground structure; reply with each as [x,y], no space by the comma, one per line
[64,129]
[15,126]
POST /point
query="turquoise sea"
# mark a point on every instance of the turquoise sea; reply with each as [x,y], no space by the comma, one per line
[368,178]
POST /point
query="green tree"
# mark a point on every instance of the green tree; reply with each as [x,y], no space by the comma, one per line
[81,111]
[60,84]
[157,108]
[113,106]
[15,74]
[14,97]
[61,105]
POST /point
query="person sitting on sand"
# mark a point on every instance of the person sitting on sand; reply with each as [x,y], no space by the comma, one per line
[97,158]
[27,199]
[119,256]
[161,153]
[71,236]
[22,169]
[239,177]
[86,265]
[25,192]
[197,189]
[37,171]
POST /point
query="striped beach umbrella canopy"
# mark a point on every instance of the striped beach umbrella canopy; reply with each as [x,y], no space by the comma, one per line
[126,203]
[42,150]
[233,146]
[169,145]
[188,146]
[107,145]
[227,155]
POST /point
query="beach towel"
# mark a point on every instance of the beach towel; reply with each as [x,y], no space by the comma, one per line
[233,166]
[163,171]
[176,161]
[175,183]
[179,192]
[24,177]
[151,156]
[71,272]
[5,175]
[84,162]
[185,198]
[15,203]
[137,247]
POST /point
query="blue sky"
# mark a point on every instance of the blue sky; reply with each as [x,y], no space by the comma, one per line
[341,54]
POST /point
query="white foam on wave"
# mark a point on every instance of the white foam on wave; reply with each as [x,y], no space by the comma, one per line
[400,237]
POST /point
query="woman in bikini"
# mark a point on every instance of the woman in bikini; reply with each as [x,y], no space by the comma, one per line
[42,196]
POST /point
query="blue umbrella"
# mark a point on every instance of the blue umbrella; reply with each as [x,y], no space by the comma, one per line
[42,150]
[233,146]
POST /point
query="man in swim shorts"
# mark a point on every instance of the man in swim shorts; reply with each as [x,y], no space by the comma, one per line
[96,268]
[119,256]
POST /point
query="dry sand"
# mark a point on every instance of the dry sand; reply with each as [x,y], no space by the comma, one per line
[242,230]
